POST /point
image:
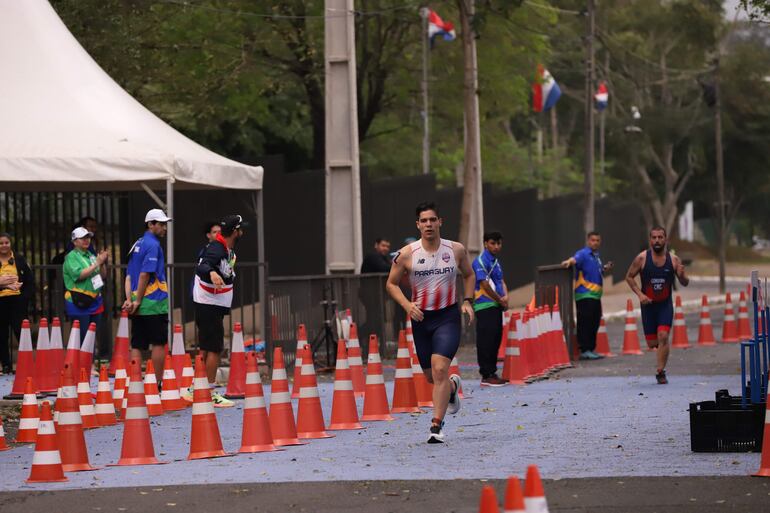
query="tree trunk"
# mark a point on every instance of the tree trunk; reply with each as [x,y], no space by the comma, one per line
[465,7]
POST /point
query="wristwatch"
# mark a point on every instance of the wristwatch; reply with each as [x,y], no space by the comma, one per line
[468,299]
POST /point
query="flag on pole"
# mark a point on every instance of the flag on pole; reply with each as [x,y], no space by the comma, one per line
[602,97]
[438,27]
[545,92]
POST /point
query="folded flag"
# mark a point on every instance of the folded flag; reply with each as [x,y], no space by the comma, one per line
[439,27]
[602,97]
[545,92]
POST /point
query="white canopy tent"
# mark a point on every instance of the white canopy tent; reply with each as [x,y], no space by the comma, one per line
[65,125]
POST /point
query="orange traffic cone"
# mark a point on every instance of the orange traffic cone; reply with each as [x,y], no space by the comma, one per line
[46,462]
[236,382]
[57,353]
[205,441]
[764,466]
[679,339]
[119,387]
[256,435]
[517,362]
[355,362]
[86,402]
[729,327]
[104,408]
[744,328]
[376,397]
[69,436]
[630,333]
[559,341]
[122,347]
[170,399]
[151,396]
[72,356]
[509,334]
[514,500]
[310,417]
[3,443]
[179,358]
[404,392]
[344,411]
[124,403]
[187,372]
[30,415]
[301,343]
[705,330]
[421,386]
[504,337]
[281,413]
[534,496]
[45,372]
[86,357]
[25,363]
[525,347]
[488,502]
[603,341]
[137,447]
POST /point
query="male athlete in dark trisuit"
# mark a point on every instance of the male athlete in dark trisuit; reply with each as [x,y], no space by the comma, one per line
[431,264]
[657,268]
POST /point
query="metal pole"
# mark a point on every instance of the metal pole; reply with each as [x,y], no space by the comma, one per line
[588,222]
[722,228]
[424,12]
[602,119]
[262,271]
[170,253]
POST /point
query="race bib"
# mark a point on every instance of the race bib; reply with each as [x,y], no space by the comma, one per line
[97,281]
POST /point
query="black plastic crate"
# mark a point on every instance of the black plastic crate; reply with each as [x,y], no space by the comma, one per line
[723,426]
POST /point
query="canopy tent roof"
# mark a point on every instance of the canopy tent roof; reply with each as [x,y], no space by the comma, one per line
[66,125]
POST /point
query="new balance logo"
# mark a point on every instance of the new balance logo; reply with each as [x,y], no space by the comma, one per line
[421,261]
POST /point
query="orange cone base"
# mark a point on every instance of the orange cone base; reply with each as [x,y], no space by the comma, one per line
[259,448]
[208,454]
[43,480]
[78,467]
[406,409]
[634,352]
[4,446]
[314,434]
[425,404]
[125,462]
[711,343]
[281,442]
[763,472]
[340,426]
[181,404]
[377,417]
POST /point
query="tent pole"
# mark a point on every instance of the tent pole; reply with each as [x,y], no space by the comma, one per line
[262,273]
[170,253]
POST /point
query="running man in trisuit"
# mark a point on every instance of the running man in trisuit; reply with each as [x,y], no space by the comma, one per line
[658,268]
[431,264]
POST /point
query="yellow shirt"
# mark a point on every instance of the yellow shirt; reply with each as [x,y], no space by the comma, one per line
[9,269]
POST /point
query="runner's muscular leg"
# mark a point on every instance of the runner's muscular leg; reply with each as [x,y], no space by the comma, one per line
[663,349]
[441,384]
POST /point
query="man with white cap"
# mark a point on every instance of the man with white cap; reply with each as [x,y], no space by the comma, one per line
[147,292]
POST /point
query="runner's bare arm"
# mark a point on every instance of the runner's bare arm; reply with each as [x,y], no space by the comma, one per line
[469,278]
[633,272]
[679,270]
[400,266]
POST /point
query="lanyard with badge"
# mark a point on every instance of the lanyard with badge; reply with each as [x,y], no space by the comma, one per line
[489,272]
[96,280]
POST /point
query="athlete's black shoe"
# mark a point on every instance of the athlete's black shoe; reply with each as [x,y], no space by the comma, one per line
[660,377]
[436,434]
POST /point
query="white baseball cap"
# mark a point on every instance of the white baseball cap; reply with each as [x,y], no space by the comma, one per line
[156,215]
[80,232]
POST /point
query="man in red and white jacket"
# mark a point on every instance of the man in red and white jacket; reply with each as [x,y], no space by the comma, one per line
[213,297]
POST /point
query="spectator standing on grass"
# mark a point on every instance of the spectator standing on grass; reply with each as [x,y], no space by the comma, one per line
[17,287]
[84,274]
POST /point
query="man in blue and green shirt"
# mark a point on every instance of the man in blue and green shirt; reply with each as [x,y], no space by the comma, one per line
[589,272]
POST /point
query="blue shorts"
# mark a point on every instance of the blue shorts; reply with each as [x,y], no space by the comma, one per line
[437,333]
[657,317]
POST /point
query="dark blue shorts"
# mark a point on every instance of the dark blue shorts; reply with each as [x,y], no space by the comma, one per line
[657,317]
[437,333]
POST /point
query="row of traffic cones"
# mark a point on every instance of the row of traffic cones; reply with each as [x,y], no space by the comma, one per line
[532,500]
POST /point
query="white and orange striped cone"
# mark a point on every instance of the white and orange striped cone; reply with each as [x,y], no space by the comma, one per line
[30,415]
[170,399]
[559,339]
[515,355]
[86,358]
[72,356]
[281,416]
[421,386]
[764,466]
[3,443]
[187,373]
[58,395]
[744,327]
[25,363]
[310,417]
[534,496]
[137,447]
[301,343]
[679,339]
[705,330]
[236,381]
[454,368]
[57,353]
[504,337]
[205,440]
[46,462]
[119,386]
[376,397]
[86,402]
[344,410]
[404,392]
[151,395]
[546,328]
[514,499]
[525,347]
[45,372]
[121,347]
[255,435]
[630,332]
[179,357]
[729,326]
[69,426]
[531,341]
[603,341]
[124,403]
[104,407]
[509,333]
[355,362]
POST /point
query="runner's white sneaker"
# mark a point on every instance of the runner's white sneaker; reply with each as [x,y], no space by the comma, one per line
[454,398]
[436,434]
[220,401]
